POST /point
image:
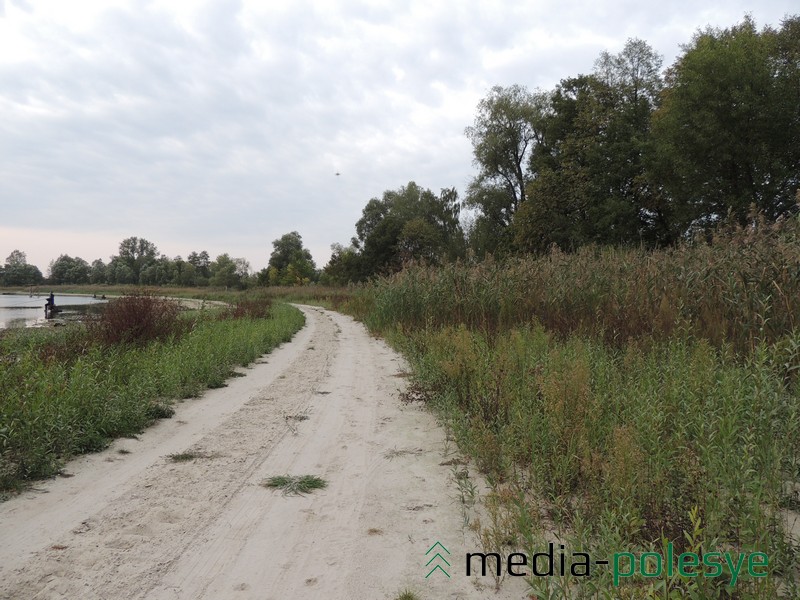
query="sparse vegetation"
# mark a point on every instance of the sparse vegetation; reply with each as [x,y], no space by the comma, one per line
[296,485]
[408,595]
[187,456]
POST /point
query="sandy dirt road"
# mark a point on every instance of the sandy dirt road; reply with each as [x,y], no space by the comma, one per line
[131,523]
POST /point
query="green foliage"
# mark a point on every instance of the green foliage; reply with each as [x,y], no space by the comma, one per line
[588,172]
[62,395]
[409,224]
[739,290]
[135,254]
[727,134]
[17,271]
[66,269]
[290,263]
[344,266]
[506,129]
[229,272]
[296,485]
[624,157]
[619,399]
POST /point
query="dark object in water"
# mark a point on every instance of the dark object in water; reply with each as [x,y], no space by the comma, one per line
[50,308]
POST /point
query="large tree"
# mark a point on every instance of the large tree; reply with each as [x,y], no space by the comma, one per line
[588,176]
[728,132]
[410,223]
[503,135]
[66,269]
[136,254]
[290,262]
[229,272]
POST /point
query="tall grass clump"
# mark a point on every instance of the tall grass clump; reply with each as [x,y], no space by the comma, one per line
[620,400]
[56,404]
[739,290]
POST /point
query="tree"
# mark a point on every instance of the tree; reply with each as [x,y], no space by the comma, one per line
[410,223]
[588,171]
[343,267]
[728,131]
[66,269]
[223,272]
[136,254]
[505,131]
[17,258]
[17,271]
[201,262]
[290,263]
[98,274]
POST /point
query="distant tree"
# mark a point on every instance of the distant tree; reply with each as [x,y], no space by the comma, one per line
[201,262]
[290,263]
[410,223]
[343,267]
[66,269]
[229,272]
[136,254]
[117,272]
[17,258]
[162,271]
[98,274]
[17,271]
[489,230]
[188,275]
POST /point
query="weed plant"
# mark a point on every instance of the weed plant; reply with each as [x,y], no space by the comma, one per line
[296,485]
[619,399]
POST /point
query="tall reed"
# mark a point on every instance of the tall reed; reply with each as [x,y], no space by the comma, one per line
[621,399]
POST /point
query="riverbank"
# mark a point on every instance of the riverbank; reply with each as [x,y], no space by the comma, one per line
[63,394]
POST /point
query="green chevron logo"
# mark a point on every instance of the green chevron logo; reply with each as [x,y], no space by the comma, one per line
[438,558]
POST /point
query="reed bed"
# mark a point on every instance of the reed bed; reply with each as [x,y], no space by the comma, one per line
[620,399]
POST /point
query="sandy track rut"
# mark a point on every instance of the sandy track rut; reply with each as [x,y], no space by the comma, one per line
[141,526]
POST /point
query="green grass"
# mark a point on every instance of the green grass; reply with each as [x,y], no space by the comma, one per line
[618,399]
[187,456]
[296,485]
[63,395]
[407,595]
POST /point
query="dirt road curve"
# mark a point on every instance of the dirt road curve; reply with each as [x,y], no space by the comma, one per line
[131,523]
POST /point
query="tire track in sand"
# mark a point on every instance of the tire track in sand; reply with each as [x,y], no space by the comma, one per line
[208,529]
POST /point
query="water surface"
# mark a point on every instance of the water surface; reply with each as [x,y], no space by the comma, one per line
[24,310]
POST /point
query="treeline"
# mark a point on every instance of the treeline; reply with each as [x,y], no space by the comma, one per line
[627,155]
[139,263]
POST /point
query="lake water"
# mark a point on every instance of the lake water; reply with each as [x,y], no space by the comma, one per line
[22,310]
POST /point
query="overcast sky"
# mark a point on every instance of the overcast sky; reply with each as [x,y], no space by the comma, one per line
[220,125]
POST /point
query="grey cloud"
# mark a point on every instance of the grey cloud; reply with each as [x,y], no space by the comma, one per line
[194,139]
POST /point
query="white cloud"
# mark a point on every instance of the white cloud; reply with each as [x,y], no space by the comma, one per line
[220,124]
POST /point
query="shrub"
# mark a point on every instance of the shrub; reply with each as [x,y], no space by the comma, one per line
[137,318]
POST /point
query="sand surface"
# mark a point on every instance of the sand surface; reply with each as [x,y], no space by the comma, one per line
[130,522]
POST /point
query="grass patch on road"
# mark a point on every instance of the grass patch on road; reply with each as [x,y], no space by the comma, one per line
[296,485]
[187,456]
